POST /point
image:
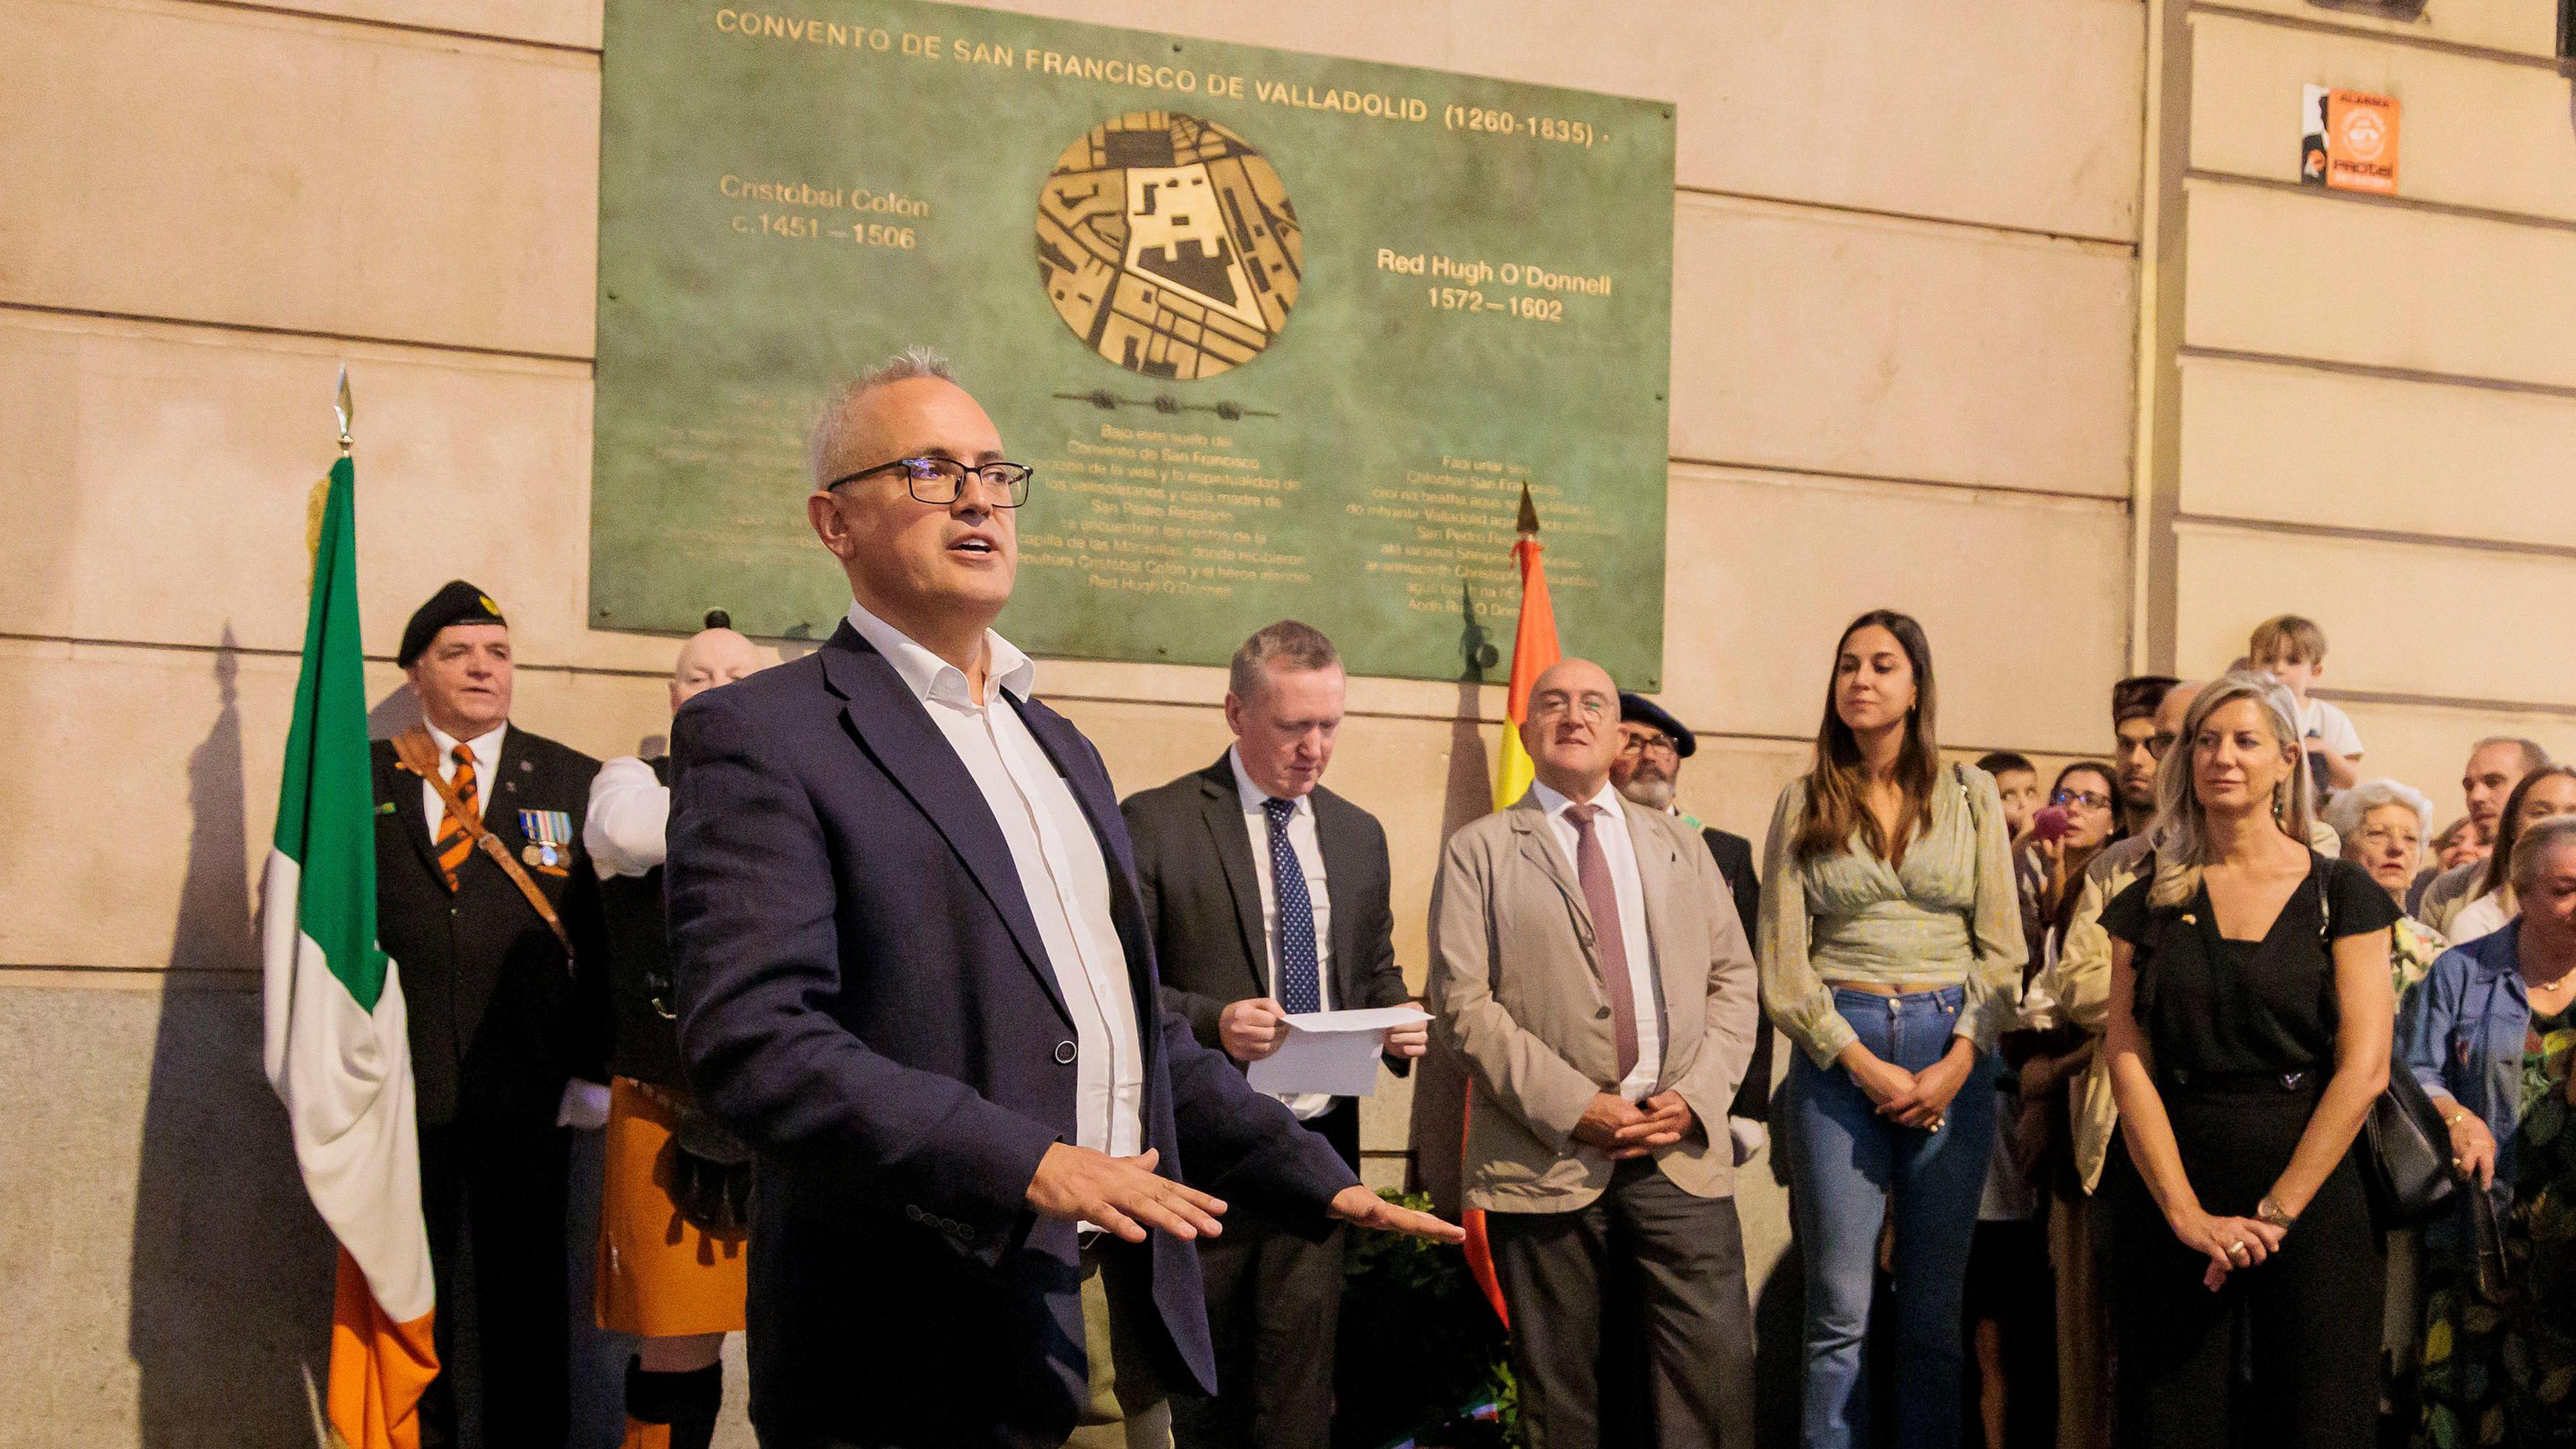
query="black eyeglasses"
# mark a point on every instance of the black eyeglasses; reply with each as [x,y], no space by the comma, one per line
[1650,743]
[2084,797]
[940,480]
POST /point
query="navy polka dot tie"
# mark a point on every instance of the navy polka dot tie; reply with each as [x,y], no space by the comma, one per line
[1300,990]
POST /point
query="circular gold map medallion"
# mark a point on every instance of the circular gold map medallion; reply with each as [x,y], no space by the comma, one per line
[1168,245]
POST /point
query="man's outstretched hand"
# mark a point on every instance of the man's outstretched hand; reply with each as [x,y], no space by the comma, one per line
[1356,1204]
[1122,1194]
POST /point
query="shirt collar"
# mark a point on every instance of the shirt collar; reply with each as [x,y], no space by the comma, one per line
[486,746]
[930,677]
[1554,804]
[1253,795]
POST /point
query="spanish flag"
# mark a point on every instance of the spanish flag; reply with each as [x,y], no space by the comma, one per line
[336,1049]
[1534,648]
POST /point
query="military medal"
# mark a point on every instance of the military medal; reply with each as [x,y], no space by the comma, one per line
[549,834]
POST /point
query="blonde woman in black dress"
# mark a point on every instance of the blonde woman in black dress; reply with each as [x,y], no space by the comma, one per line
[2249,1034]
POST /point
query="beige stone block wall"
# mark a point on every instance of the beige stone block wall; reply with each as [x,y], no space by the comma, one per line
[2044,324]
[2377,396]
[2471,132]
[2337,279]
[2295,445]
[1904,323]
[2519,27]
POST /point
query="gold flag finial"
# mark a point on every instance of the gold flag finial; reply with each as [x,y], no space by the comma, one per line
[345,408]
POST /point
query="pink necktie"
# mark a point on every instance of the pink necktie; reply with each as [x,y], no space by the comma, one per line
[1592,868]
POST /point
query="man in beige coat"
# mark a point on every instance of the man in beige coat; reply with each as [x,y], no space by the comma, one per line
[1589,967]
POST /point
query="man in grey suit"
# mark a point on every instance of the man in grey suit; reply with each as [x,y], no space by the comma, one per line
[1267,895]
[1589,966]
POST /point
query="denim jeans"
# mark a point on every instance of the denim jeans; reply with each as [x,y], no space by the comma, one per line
[1845,1161]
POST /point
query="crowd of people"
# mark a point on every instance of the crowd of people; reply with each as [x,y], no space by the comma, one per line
[924,1057]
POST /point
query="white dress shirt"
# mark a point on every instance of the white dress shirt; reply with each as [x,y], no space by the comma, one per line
[1310,856]
[1061,870]
[626,826]
[1610,828]
[487,771]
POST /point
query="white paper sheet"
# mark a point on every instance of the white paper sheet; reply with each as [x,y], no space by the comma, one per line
[1332,1051]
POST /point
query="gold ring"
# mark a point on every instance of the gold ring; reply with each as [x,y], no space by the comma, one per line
[2236,1250]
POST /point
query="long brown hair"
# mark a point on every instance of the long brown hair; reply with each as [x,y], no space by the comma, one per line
[2499,871]
[1834,784]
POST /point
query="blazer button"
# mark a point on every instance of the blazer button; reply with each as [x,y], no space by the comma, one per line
[1602,1015]
[1063,1053]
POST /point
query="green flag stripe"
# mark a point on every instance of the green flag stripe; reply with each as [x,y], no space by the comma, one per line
[326,805]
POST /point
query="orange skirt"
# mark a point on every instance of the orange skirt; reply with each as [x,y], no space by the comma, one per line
[658,1276]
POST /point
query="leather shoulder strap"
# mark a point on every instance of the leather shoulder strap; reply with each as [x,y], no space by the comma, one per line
[418,753]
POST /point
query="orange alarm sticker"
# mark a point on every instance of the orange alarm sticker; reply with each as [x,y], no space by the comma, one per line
[2348,140]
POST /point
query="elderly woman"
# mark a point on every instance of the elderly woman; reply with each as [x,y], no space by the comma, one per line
[2248,1037]
[2382,825]
[2490,1034]
[2550,790]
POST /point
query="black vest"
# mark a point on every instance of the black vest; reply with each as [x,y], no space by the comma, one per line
[646,1045]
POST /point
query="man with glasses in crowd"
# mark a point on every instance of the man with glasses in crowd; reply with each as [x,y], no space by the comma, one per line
[915,974]
[1648,771]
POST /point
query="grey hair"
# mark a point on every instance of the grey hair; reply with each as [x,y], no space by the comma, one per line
[2533,849]
[1299,646]
[2346,812]
[2534,758]
[823,443]
[2180,837]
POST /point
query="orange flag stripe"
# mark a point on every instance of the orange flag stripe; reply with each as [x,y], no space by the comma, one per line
[379,1368]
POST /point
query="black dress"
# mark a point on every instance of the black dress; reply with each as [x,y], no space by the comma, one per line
[2241,1037]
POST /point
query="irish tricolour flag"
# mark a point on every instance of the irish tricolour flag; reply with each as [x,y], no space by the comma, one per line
[336,1051]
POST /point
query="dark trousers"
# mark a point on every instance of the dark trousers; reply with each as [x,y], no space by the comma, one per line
[1274,1304]
[1274,1301]
[1635,1301]
[2306,1323]
[493,1199]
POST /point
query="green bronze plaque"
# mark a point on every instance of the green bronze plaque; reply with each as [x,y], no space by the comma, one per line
[1283,335]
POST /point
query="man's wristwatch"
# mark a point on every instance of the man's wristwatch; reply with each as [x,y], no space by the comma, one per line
[2271,1212]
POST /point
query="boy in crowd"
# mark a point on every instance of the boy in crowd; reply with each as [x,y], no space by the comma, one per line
[2293,650]
[2018,779]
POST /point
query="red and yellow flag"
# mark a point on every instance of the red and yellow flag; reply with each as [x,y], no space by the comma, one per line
[1534,648]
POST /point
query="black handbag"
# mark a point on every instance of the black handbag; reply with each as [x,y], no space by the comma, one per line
[2407,1164]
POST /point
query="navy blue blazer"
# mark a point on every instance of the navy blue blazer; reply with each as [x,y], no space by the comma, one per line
[864,996]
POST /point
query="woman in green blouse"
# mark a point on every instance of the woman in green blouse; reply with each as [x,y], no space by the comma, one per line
[1891,951]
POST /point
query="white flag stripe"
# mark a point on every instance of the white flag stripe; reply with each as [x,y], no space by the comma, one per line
[345,1077]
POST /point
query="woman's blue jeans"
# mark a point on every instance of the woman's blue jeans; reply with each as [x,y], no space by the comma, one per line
[1845,1164]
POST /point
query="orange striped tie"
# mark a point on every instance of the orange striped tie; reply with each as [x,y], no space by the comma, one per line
[454,841]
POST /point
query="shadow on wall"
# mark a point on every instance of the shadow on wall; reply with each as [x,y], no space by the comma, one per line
[230,1295]
[1440,1080]
[393,714]
[1779,1350]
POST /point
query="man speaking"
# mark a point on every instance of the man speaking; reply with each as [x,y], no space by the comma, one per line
[915,973]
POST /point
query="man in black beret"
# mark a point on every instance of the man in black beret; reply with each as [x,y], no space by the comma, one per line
[489,907]
[1652,746]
